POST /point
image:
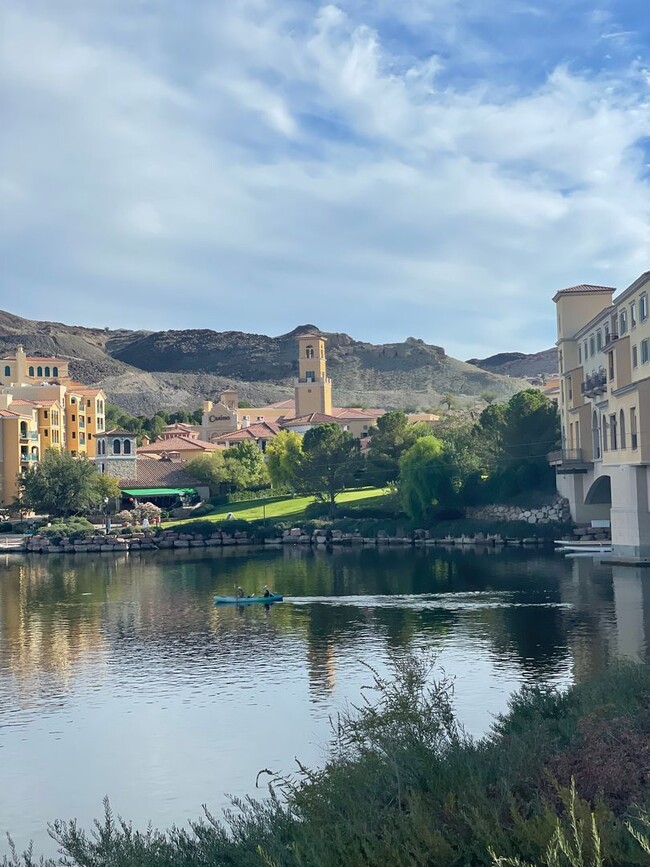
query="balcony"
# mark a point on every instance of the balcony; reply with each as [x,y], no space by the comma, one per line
[611,337]
[568,461]
[594,385]
[28,458]
[28,436]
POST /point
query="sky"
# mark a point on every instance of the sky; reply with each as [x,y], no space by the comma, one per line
[388,168]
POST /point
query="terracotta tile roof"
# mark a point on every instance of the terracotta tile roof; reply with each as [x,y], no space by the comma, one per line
[582,288]
[280,404]
[261,431]
[21,402]
[310,418]
[7,413]
[88,390]
[116,432]
[356,412]
[160,474]
[177,444]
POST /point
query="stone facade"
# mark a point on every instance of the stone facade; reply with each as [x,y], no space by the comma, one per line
[119,468]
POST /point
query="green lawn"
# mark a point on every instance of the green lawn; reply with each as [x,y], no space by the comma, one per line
[285,507]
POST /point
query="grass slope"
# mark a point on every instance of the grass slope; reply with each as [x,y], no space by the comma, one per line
[285,508]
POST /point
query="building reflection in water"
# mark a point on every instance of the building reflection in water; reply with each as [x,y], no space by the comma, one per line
[632,608]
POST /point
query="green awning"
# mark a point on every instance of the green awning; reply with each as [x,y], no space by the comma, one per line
[158,492]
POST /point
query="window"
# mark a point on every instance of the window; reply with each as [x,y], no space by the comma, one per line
[310,376]
[7,370]
[55,371]
[74,417]
[586,350]
[570,388]
[73,400]
[633,433]
[592,345]
[55,417]
[613,438]
[621,429]
[599,340]
[39,371]
[604,430]
[127,447]
[309,352]
[117,447]
[579,354]
[645,351]
[47,371]
[606,335]
[88,420]
[633,314]
[82,439]
[643,307]
[635,356]
[55,437]
[46,432]
[622,322]
[74,435]
[610,363]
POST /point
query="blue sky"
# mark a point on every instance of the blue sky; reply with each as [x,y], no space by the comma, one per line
[426,168]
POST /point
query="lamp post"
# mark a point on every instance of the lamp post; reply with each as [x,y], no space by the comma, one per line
[107,518]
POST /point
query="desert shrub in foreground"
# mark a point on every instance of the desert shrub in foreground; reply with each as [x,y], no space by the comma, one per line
[405,786]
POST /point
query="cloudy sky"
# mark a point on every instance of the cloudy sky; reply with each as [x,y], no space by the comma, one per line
[389,168]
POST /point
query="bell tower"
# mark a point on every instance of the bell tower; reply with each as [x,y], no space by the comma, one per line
[313,391]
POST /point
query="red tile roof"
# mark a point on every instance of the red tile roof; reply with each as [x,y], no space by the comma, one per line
[260,431]
[7,413]
[21,402]
[583,288]
[309,418]
[176,444]
[160,474]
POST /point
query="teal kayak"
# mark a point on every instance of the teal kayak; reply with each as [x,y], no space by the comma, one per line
[247,600]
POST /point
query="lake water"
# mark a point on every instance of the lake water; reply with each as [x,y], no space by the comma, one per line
[119,677]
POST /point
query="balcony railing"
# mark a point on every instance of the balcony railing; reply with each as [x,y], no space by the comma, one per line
[572,460]
[611,337]
[595,384]
[29,435]
[28,458]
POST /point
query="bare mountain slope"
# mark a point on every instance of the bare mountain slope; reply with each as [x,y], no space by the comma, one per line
[145,371]
[518,363]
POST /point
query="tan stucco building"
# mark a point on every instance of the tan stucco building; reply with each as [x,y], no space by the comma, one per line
[604,401]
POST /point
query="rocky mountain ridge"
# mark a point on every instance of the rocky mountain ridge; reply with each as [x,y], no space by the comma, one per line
[143,371]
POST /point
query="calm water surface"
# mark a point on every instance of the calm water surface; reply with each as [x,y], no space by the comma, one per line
[119,677]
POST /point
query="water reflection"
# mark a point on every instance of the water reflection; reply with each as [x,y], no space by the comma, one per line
[103,657]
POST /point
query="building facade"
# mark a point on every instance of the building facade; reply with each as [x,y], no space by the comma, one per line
[604,401]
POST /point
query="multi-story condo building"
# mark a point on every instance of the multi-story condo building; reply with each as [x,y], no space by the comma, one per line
[41,407]
[20,446]
[604,362]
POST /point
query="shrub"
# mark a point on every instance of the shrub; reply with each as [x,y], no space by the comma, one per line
[6,527]
[72,528]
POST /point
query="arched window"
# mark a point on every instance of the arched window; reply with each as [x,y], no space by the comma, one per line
[309,352]
[127,447]
[621,429]
[23,430]
[117,447]
[55,371]
[39,371]
[596,435]
[31,371]
[47,371]
[603,425]
[7,370]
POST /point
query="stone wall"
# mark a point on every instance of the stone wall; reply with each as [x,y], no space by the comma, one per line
[555,511]
[149,540]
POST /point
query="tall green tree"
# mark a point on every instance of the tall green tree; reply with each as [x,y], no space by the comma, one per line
[245,466]
[392,436]
[61,485]
[210,470]
[425,480]
[283,456]
[330,462]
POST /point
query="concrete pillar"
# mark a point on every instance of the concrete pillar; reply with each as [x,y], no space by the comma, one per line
[630,514]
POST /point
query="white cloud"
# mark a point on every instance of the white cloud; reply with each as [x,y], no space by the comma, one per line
[268,163]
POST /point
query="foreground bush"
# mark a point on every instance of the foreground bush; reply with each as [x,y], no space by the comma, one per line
[562,779]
